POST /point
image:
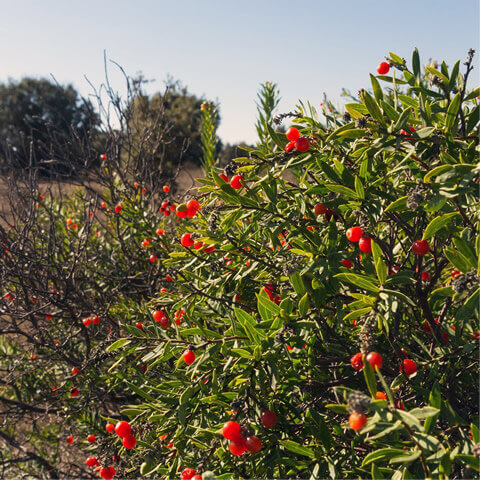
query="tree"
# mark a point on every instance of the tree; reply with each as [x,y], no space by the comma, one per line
[38,121]
[176,114]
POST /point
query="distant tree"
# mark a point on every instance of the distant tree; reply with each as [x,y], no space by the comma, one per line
[176,115]
[38,120]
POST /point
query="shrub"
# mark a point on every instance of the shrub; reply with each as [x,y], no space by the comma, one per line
[273,298]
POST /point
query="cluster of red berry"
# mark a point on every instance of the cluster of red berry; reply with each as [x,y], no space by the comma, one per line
[240,444]
[95,319]
[301,144]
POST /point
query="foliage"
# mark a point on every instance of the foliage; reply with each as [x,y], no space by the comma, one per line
[272,313]
[38,118]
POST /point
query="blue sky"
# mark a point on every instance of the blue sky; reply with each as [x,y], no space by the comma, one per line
[224,49]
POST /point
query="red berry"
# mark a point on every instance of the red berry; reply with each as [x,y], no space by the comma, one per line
[107,473]
[253,444]
[223,177]
[237,447]
[425,276]
[354,234]
[380,396]
[188,473]
[409,366]
[197,245]
[236,182]
[123,429]
[129,442]
[383,68]
[158,315]
[74,392]
[186,240]
[139,325]
[231,431]
[91,461]
[110,427]
[420,247]
[193,204]
[268,419]
[302,144]
[153,258]
[86,321]
[95,320]
[289,146]
[75,370]
[365,244]
[209,249]
[347,263]
[189,357]
[455,273]
[160,231]
[357,361]
[118,208]
[166,188]
[292,134]
[103,157]
[375,360]
[91,438]
[69,439]
[319,209]
[357,420]
[181,210]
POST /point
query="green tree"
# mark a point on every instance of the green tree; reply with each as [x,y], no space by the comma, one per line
[38,120]
[176,116]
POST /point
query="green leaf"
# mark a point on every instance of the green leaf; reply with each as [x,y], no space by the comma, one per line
[373,108]
[348,192]
[398,205]
[426,442]
[118,344]
[380,266]
[359,188]
[370,378]
[337,408]
[382,454]
[457,260]
[402,119]
[297,448]
[303,305]
[357,314]
[356,110]
[452,112]
[409,419]
[249,325]
[416,63]
[425,412]
[357,280]
[436,224]
[297,284]
[436,171]
[470,460]
[425,132]
[266,308]
[377,90]
[406,457]
[435,401]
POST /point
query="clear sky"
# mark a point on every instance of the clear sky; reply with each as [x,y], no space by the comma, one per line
[223,49]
